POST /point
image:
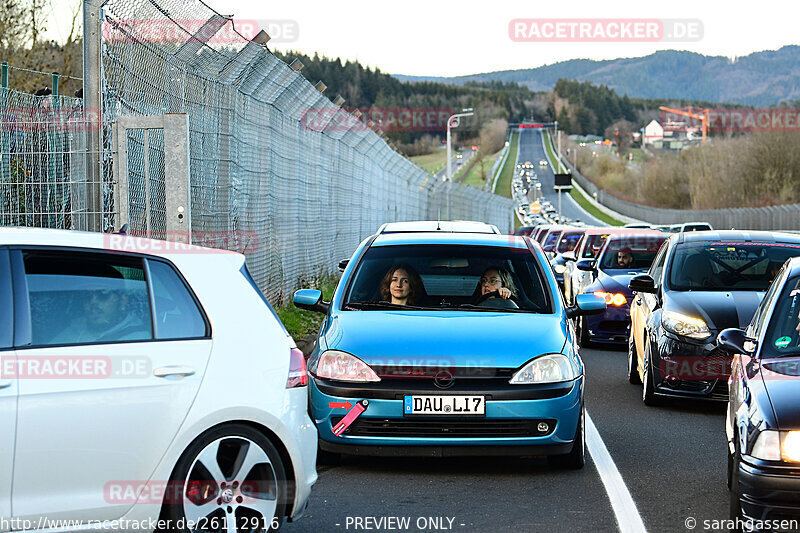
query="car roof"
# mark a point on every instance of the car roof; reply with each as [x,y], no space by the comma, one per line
[438,237]
[460,226]
[738,236]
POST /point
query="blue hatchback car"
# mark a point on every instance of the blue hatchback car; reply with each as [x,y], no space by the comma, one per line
[443,343]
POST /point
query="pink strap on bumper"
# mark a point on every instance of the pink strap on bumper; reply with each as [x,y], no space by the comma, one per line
[350,417]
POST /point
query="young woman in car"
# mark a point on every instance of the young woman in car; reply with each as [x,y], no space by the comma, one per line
[402,285]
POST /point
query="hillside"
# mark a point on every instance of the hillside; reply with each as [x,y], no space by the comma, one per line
[759,79]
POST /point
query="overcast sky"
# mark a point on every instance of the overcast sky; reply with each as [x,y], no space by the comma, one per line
[447,38]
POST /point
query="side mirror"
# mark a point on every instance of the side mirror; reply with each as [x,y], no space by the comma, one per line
[569,256]
[734,340]
[311,300]
[343,264]
[587,265]
[586,304]
[643,283]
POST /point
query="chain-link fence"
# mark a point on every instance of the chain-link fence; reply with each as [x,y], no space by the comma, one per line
[42,160]
[305,193]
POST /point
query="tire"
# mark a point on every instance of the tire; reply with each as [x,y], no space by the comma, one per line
[735,505]
[576,458]
[583,334]
[648,385]
[633,362]
[254,489]
[326,458]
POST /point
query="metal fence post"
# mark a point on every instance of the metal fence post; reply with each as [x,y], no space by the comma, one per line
[92,108]
[5,163]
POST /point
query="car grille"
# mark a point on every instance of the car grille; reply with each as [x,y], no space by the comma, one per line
[620,326]
[446,429]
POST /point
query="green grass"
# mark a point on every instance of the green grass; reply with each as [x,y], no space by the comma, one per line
[551,154]
[434,162]
[504,181]
[301,323]
[474,177]
[592,209]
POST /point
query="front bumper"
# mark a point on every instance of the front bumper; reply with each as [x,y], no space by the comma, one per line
[696,369]
[612,326]
[510,426]
[769,493]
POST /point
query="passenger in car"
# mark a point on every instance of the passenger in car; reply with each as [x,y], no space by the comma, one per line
[624,258]
[402,285]
[496,279]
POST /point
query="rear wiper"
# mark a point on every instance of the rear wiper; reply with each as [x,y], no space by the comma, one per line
[357,306]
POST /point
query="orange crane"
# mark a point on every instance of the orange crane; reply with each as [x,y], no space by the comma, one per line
[691,113]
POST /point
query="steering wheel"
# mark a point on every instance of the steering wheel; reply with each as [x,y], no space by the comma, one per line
[506,303]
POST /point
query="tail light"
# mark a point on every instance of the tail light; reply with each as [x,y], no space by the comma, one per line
[298,375]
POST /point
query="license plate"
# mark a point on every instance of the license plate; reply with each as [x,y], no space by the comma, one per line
[444,405]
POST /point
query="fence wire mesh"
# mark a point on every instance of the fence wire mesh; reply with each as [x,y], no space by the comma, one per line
[42,160]
[306,195]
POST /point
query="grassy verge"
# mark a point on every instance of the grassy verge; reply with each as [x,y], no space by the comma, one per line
[434,162]
[301,323]
[474,178]
[504,181]
[551,154]
[590,208]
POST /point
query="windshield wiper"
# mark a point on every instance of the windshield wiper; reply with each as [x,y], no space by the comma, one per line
[358,306]
[473,307]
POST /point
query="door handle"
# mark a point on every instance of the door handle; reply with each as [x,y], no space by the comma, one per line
[174,370]
[5,384]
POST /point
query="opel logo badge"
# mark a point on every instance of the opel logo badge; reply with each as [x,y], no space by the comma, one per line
[443,379]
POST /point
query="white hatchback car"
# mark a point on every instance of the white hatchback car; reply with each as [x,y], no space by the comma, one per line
[141,379]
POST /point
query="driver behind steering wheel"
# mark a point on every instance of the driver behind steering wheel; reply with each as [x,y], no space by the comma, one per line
[496,279]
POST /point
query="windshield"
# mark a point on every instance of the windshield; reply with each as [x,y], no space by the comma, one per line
[593,246]
[550,241]
[568,242]
[783,337]
[728,266]
[448,277]
[635,252]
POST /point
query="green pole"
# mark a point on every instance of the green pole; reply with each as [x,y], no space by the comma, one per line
[55,83]
[5,158]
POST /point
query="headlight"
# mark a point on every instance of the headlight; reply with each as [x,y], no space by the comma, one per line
[790,449]
[560,269]
[694,328]
[552,368]
[767,446]
[612,298]
[341,366]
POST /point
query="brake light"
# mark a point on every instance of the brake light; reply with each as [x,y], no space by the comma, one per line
[616,299]
[298,375]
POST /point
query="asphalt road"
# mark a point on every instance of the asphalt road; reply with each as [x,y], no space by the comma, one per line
[531,149]
[671,459]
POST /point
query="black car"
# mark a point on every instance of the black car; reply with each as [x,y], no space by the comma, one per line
[699,284]
[763,422]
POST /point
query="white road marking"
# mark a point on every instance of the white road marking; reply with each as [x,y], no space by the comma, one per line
[628,517]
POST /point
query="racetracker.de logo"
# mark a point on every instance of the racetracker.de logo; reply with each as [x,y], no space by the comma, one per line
[48,117]
[333,118]
[601,30]
[213,31]
[721,120]
[186,242]
[74,367]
